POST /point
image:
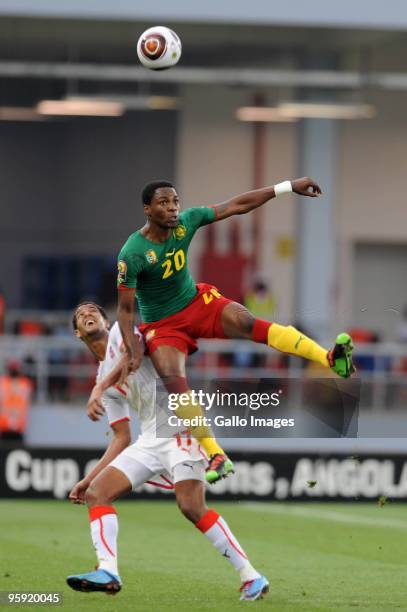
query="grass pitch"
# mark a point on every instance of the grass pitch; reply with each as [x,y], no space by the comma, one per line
[319,557]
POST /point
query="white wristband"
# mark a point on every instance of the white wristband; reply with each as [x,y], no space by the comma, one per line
[284,187]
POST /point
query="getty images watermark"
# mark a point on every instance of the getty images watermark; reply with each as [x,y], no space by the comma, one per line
[226,400]
[263,408]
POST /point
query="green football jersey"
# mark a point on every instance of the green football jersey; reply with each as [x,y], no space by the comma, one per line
[159,271]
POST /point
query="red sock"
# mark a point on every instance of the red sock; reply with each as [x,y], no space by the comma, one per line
[98,511]
[176,384]
[260,331]
[207,520]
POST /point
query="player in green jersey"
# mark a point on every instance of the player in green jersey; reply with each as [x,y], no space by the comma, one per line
[176,312]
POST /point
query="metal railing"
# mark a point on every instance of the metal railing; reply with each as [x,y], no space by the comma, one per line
[63,369]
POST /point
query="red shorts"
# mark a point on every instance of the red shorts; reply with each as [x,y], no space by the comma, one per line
[200,319]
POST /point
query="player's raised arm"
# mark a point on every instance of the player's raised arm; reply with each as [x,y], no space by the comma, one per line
[245,202]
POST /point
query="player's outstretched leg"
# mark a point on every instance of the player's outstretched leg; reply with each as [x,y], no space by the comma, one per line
[238,322]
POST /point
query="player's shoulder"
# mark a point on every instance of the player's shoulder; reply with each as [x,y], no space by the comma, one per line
[114,332]
[192,211]
[134,244]
[114,341]
[115,335]
[196,215]
[132,253]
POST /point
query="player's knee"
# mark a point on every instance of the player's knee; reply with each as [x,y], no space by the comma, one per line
[94,496]
[246,322]
[237,321]
[190,508]
[175,384]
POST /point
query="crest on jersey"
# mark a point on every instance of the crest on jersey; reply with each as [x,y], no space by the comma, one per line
[151,256]
[150,334]
[111,353]
[180,232]
[121,272]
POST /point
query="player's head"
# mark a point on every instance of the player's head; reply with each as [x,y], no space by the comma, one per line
[161,204]
[89,321]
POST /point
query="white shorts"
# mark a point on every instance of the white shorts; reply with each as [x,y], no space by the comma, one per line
[145,460]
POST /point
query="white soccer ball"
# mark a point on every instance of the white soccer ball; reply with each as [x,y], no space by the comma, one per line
[159,48]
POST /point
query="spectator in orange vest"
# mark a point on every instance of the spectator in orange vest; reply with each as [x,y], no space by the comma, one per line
[15,400]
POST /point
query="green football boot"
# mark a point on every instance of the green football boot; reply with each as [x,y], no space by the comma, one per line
[220,466]
[340,357]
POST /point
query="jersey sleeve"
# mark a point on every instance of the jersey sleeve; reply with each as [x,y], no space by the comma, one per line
[199,216]
[117,407]
[129,266]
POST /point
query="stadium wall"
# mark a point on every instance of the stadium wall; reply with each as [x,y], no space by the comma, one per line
[371,183]
[73,187]
[215,161]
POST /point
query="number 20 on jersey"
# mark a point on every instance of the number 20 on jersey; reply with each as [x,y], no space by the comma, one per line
[177,261]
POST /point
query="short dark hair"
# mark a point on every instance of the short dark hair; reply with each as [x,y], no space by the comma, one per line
[100,309]
[148,192]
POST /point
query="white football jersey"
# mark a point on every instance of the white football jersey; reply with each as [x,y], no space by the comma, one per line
[138,393]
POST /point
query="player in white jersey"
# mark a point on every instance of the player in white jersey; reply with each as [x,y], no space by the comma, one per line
[176,459]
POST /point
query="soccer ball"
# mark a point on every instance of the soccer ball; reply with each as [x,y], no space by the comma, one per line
[159,48]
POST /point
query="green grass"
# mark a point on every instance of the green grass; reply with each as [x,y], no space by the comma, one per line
[319,556]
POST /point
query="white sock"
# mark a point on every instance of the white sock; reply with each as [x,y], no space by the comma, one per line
[216,529]
[104,528]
